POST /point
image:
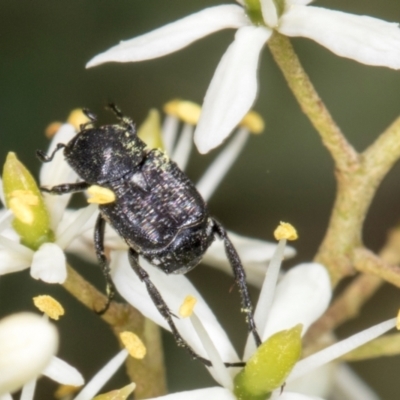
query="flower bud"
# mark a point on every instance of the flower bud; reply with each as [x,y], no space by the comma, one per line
[269,366]
[23,197]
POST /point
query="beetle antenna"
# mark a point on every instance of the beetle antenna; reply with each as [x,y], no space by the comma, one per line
[43,157]
[124,119]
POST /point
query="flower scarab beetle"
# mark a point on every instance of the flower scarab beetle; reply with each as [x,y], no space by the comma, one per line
[155,208]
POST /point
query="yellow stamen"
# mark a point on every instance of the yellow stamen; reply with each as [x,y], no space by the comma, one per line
[150,130]
[253,122]
[187,111]
[133,344]
[49,306]
[187,307]
[21,202]
[285,231]
[65,390]
[171,108]
[398,321]
[77,118]
[100,195]
[52,129]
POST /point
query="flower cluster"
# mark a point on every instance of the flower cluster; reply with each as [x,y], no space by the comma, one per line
[233,88]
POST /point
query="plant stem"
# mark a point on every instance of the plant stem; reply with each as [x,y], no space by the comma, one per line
[358,175]
[149,373]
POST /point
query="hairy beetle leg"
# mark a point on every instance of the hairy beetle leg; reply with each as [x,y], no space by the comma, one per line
[103,262]
[66,188]
[240,279]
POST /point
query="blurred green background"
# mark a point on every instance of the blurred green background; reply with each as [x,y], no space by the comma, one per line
[285,174]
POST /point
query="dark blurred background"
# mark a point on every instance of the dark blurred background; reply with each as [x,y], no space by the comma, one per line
[285,174]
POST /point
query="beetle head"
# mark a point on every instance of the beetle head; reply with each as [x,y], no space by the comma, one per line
[100,155]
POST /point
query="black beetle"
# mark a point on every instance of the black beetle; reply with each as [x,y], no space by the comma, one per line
[157,209]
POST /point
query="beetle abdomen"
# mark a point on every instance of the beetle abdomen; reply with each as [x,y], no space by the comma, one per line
[154,205]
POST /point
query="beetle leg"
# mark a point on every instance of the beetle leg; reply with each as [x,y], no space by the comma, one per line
[99,248]
[240,279]
[162,306]
[66,188]
[43,157]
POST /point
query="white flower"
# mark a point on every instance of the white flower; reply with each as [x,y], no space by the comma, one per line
[48,262]
[301,297]
[233,88]
[28,344]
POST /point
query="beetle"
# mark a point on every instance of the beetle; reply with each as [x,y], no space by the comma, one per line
[157,210]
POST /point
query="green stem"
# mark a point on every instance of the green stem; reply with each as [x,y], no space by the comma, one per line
[342,152]
[358,175]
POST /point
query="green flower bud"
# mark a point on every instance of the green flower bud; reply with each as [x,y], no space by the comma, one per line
[269,366]
[150,130]
[23,197]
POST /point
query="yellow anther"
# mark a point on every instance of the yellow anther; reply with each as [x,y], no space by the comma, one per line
[100,195]
[52,129]
[49,306]
[253,122]
[77,118]
[171,108]
[119,394]
[150,130]
[133,344]
[285,231]
[64,391]
[187,307]
[26,196]
[21,202]
[187,111]
[398,321]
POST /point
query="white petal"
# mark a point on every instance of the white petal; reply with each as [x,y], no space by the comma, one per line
[233,88]
[81,221]
[300,2]
[350,386]
[6,396]
[27,344]
[173,289]
[318,383]
[254,254]
[63,373]
[269,12]
[174,36]
[216,171]
[57,172]
[292,396]
[301,297]
[11,261]
[364,39]
[214,393]
[103,376]
[48,264]
[6,216]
